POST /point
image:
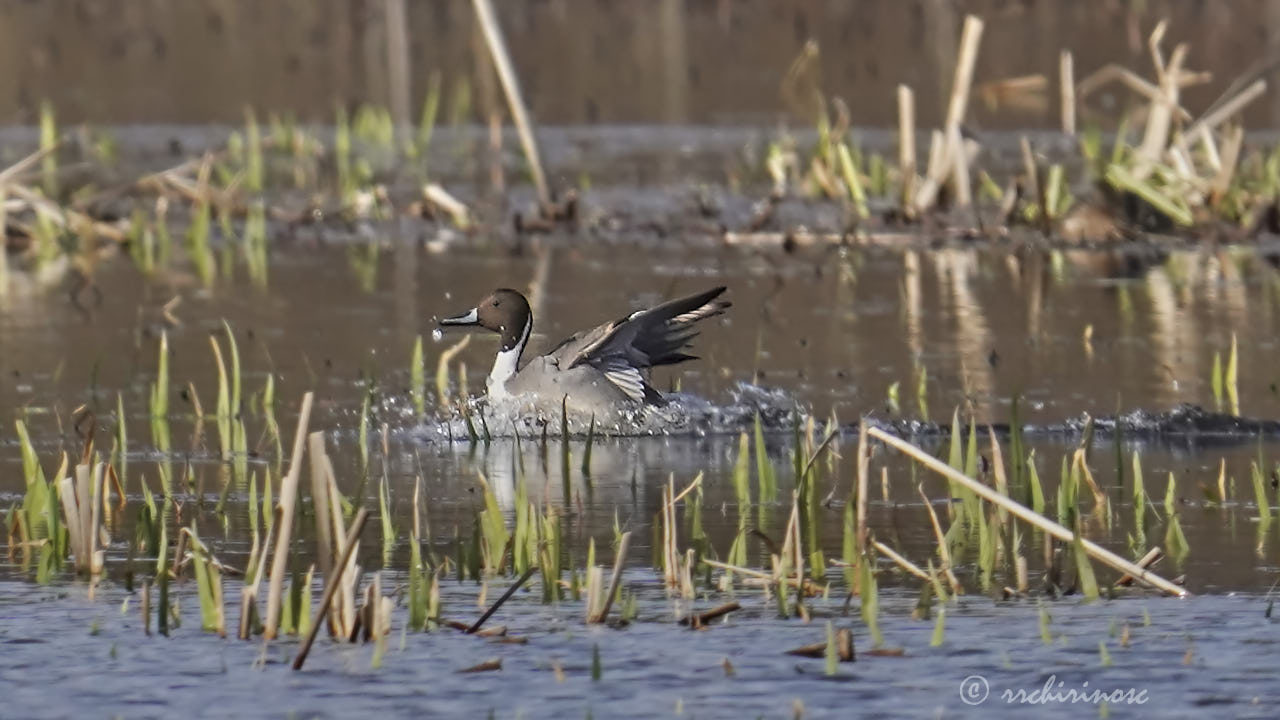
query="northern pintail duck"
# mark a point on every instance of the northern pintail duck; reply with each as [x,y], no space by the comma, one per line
[602,371]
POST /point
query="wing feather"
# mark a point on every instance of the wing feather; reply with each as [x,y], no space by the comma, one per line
[641,340]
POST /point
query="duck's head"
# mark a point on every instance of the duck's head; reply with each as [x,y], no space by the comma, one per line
[504,311]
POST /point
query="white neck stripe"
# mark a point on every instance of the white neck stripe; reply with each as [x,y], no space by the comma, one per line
[506,364]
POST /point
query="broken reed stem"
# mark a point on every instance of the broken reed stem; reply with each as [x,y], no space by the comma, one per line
[511,86]
[25,163]
[1030,169]
[844,647]
[1151,558]
[1231,147]
[1160,115]
[320,503]
[904,563]
[699,619]
[1127,78]
[696,481]
[249,593]
[1210,122]
[623,544]
[970,38]
[804,583]
[441,198]
[505,596]
[287,502]
[740,570]
[943,552]
[946,154]
[1066,81]
[907,142]
[331,587]
[81,497]
[1023,513]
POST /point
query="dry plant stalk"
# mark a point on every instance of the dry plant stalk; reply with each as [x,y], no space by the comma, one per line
[1207,124]
[320,502]
[1151,558]
[902,562]
[603,614]
[249,593]
[511,87]
[331,586]
[698,620]
[951,153]
[1025,514]
[943,551]
[1067,85]
[907,143]
[81,507]
[455,208]
[287,503]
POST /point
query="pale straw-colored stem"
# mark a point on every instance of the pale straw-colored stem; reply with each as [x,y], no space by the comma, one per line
[287,503]
[1025,514]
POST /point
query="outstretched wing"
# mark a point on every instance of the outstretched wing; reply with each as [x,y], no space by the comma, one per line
[645,339]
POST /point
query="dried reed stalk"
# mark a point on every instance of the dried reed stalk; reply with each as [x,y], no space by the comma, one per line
[511,86]
[287,503]
[331,586]
[1067,86]
[1025,514]
[623,544]
[907,143]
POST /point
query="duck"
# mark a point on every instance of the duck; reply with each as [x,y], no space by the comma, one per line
[602,372]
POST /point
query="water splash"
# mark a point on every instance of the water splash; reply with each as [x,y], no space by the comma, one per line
[682,415]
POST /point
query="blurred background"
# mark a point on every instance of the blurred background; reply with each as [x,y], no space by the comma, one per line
[588,61]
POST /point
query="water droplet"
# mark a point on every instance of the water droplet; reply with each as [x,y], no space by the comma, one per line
[437,335]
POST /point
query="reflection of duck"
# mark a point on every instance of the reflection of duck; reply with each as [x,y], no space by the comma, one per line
[598,371]
[622,471]
[614,466]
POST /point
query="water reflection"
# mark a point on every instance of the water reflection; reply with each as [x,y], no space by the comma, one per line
[835,330]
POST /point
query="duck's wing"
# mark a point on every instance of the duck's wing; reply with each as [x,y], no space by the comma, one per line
[641,340]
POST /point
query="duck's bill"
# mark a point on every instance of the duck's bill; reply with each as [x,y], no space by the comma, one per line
[471,317]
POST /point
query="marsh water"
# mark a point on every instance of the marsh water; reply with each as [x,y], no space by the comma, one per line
[831,332]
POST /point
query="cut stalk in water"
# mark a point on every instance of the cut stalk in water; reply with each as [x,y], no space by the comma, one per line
[907,144]
[288,500]
[81,497]
[331,588]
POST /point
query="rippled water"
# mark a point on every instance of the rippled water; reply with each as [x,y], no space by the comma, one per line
[829,332]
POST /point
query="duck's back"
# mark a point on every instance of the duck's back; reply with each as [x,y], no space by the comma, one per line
[587,388]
